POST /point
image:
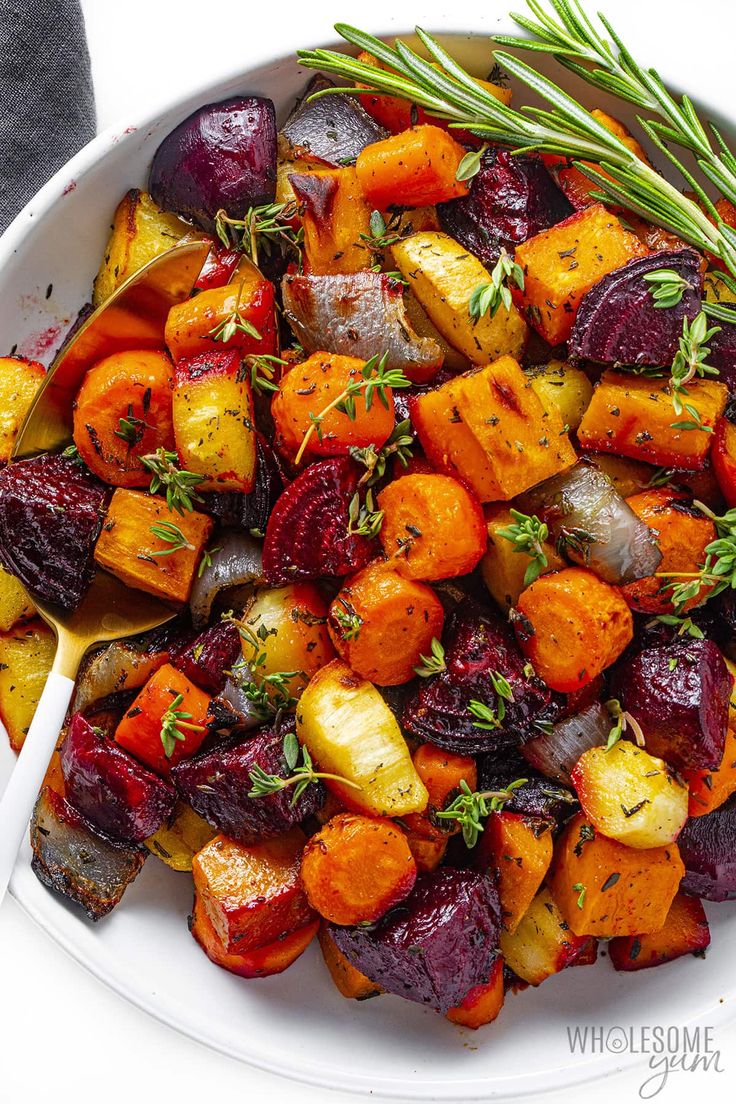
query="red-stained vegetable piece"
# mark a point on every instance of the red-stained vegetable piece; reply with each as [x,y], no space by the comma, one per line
[252,511]
[208,657]
[273,958]
[708,849]
[307,535]
[118,796]
[218,268]
[685,931]
[51,511]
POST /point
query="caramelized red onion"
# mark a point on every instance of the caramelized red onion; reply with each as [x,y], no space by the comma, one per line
[237,562]
[556,752]
[593,525]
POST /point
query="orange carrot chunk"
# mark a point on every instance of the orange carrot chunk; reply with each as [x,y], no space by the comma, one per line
[415,169]
[140,730]
[710,789]
[348,980]
[335,218]
[356,868]
[685,931]
[442,772]
[517,851]
[273,958]
[483,1003]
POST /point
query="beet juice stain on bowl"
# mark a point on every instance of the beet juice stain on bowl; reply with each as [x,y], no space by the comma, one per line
[346,535]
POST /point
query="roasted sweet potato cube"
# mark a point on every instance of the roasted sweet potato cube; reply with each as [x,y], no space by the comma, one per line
[15,602]
[542,943]
[503,567]
[517,851]
[633,416]
[709,789]
[483,1003]
[685,931]
[129,547]
[20,379]
[562,263]
[604,888]
[273,958]
[252,894]
[348,980]
[177,844]
[448,442]
[26,655]
[334,215]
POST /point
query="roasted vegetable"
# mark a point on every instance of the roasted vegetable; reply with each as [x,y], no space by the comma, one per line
[432,527]
[542,943]
[416,168]
[26,654]
[252,895]
[217,785]
[505,564]
[436,946]
[273,958]
[685,931]
[350,731]
[563,263]
[630,796]
[147,550]
[605,889]
[207,658]
[140,232]
[177,843]
[239,316]
[556,752]
[381,624]
[564,387]
[123,412]
[20,379]
[356,868]
[679,694]
[619,321]
[50,514]
[442,772]
[113,792]
[15,602]
[356,314]
[149,732]
[335,218]
[213,421]
[517,852]
[71,859]
[593,526]
[349,981]
[443,276]
[634,416]
[122,665]
[483,1003]
[512,197]
[309,532]
[723,458]
[285,630]
[571,626]
[711,788]
[333,129]
[234,563]
[222,156]
[708,847]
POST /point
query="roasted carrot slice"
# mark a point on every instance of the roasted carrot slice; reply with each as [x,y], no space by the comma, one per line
[140,730]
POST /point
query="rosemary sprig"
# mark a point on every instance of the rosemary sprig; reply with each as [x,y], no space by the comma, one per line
[487,298]
[364,520]
[623,721]
[207,559]
[373,380]
[171,534]
[528,535]
[304,775]
[434,663]
[469,808]
[563,127]
[399,444]
[717,572]
[667,287]
[179,484]
[173,721]
[263,226]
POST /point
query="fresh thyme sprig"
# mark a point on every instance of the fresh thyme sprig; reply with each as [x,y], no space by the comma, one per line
[348,619]
[528,535]
[487,298]
[304,775]
[173,721]
[689,362]
[667,287]
[364,520]
[382,234]
[685,625]
[487,718]
[623,722]
[432,664]
[717,572]
[563,127]
[131,429]
[179,484]
[235,323]
[170,534]
[262,368]
[266,225]
[469,809]
[373,380]
[470,164]
[269,694]
[399,444]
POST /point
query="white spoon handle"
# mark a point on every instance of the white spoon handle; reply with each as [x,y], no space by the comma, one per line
[22,789]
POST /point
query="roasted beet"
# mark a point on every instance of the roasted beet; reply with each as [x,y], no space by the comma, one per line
[118,796]
[679,694]
[307,535]
[619,322]
[511,198]
[436,945]
[71,859]
[222,156]
[479,647]
[539,797]
[333,128]
[217,783]
[208,657]
[723,354]
[708,849]
[252,511]
[51,512]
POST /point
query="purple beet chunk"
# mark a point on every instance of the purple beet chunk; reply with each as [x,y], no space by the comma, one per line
[511,198]
[217,783]
[222,156]
[708,849]
[208,657]
[51,511]
[539,797]
[112,790]
[723,354]
[252,511]
[333,129]
[618,321]
[436,945]
[477,645]
[681,706]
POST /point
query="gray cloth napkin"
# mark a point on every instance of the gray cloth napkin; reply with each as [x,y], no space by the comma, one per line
[47,107]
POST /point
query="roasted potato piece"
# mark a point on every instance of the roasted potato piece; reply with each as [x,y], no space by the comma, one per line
[26,655]
[286,630]
[15,602]
[541,944]
[563,387]
[20,379]
[177,844]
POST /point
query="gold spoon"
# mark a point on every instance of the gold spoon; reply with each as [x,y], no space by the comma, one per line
[133,317]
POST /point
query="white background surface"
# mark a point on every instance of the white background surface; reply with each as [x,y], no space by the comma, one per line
[62,1035]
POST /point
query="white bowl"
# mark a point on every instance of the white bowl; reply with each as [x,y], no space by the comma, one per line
[297,1024]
